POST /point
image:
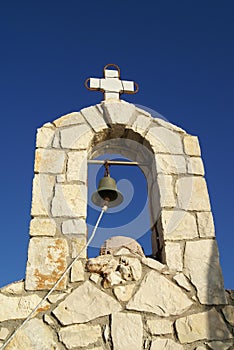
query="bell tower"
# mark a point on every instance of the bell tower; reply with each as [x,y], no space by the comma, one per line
[120,299]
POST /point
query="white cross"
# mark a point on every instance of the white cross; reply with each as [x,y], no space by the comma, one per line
[111,85]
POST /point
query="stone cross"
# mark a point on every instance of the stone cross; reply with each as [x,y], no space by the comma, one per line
[111,84]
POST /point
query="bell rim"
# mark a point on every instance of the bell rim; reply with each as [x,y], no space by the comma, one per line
[99,201]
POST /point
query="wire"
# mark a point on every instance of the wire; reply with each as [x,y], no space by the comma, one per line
[104,208]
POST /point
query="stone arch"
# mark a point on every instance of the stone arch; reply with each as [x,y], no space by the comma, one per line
[184,223]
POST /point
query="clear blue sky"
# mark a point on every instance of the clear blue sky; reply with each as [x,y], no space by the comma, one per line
[180,52]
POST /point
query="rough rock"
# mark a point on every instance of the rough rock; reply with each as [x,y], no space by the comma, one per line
[77,166]
[84,304]
[42,227]
[160,296]
[205,224]
[173,256]
[102,264]
[165,344]
[118,112]
[113,278]
[79,335]
[77,272]
[43,186]
[178,225]
[228,312]
[124,293]
[127,331]
[74,226]
[207,325]
[164,190]
[47,260]
[195,166]
[170,164]
[94,277]
[49,320]
[14,288]
[76,137]
[113,244]
[70,119]
[49,161]
[154,264]
[192,193]
[202,266]
[35,335]
[3,333]
[182,281]
[69,200]
[159,326]
[141,124]
[163,140]
[45,136]
[220,345]
[191,145]
[78,244]
[94,118]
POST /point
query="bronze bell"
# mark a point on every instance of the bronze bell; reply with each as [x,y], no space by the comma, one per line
[107,191]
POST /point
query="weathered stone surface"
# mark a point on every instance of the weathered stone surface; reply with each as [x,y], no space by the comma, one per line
[200,348]
[159,326]
[228,312]
[14,308]
[141,124]
[119,112]
[35,335]
[192,193]
[178,225]
[173,256]
[94,118]
[45,136]
[164,140]
[94,277]
[54,297]
[78,246]
[84,304]
[202,266]
[61,178]
[42,227]
[168,125]
[79,335]
[49,161]
[127,331]
[113,244]
[14,288]
[191,145]
[43,186]
[46,263]
[103,264]
[170,164]
[76,137]
[164,190]
[124,293]
[195,166]
[154,264]
[70,119]
[205,224]
[4,333]
[207,325]
[134,265]
[165,344]
[159,296]
[70,200]
[220,345]
[182,281]
[49,320]
[77,166]
[77,272]
[113,278]
[74,226]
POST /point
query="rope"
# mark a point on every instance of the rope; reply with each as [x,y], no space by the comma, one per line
[58,281]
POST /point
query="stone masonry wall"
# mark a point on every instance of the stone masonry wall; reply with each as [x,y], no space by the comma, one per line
[121,300]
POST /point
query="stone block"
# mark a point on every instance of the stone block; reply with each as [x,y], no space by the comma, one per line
[163,191]
[76,137]
[49,161]
[74,226]
[220,345]
[201,260]
[35,335]
[47,260]
[94,118]
[3,333]
[119,112]
[127,331]
[205,224]
[70,119]
[207,325]
[159,326]
[45,136]
[182,281]
[192,193]
[79,335]
[178,225]
[19,307]
[69,200]
[141,124]
[168,125]
[61,178]
[43,186]
[77,272]
[164,141]
[154,264]
[195,166]
[191,146]
[228,312]
[173,256]
[78,246]
[84,304]
[77,166]
[160,296]
[170,164]
[165,344]
[42,227]
[124,293]
[15,288]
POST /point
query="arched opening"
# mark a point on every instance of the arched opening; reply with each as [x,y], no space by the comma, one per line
[137,216]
